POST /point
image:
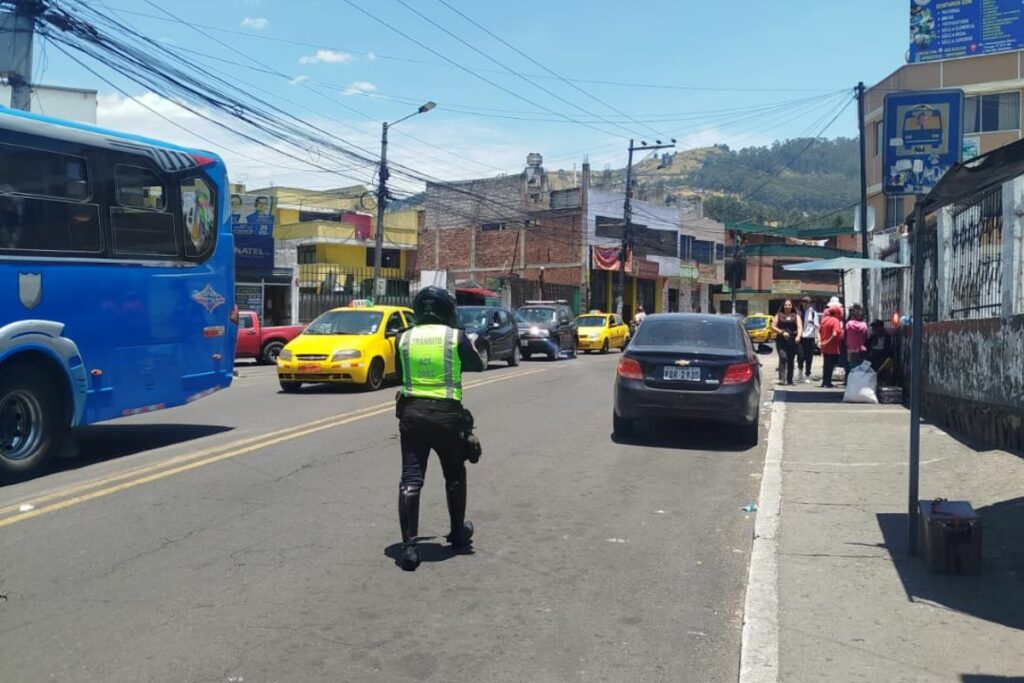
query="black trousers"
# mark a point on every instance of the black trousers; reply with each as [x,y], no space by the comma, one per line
[787,359]
[831,360]
[806,354]
[440,426]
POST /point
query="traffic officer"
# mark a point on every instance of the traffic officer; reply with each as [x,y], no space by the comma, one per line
[433,355]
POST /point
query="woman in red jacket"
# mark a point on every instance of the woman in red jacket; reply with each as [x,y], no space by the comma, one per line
[829,338]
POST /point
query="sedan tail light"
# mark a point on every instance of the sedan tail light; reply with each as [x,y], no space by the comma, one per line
[739,373]
[630,369]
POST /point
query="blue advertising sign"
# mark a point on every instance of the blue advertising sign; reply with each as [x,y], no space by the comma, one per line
[945,29]
[923,138]
[252,222]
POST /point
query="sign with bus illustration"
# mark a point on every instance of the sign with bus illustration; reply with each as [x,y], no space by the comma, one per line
[922,139]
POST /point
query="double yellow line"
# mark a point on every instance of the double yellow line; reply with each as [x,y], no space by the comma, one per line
[98,488]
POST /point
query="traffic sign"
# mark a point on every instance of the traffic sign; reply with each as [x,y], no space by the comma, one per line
[922,139]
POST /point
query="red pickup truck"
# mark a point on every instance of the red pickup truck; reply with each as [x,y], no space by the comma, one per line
[262,343]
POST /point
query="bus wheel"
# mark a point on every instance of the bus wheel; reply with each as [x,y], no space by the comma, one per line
[31,419]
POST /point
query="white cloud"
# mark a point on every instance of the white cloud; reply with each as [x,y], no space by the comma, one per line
[256,23]
[299,80]
[326,57]
[360,88]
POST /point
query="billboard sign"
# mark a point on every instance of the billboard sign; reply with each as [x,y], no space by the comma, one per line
[940,29]
[252,222]
[923,138]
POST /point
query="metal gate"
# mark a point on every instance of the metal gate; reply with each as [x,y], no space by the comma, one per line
[323,286]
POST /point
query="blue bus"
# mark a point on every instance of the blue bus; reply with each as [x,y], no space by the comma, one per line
[116,281]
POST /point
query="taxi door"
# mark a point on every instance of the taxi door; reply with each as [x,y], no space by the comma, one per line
[392,328]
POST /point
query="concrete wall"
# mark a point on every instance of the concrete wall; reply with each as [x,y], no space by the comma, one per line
[974,378]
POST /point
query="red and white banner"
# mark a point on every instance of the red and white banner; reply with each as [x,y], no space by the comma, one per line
[647,270]
[607,258]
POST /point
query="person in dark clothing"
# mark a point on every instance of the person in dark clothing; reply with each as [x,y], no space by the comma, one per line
[880,348]
[788,328]
[432,357]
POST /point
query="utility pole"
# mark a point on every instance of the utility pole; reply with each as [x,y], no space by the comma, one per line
[17,64]
[863,196]
[737,256]
[379,286]
[627,218]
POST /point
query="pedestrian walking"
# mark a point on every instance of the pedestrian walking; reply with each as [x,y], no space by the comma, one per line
[788,329]
[433,355]
[856,337]
[811,321]
[829,339]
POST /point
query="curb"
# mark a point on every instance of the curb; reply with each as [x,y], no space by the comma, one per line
[759,649]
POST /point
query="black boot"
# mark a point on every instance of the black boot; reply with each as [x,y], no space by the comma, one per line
[409,520]
[462,531]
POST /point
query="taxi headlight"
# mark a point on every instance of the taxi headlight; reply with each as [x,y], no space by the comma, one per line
[285,355]
[346,354]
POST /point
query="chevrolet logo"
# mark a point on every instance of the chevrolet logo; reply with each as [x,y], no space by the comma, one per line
[682,362]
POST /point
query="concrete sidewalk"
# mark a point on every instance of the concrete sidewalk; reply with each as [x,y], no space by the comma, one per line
[852,604]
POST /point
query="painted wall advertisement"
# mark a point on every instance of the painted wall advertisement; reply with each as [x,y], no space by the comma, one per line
[923,138]
[249,297]
[252,222]
[945,29]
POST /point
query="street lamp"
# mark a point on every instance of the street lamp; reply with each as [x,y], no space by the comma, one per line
[382,196]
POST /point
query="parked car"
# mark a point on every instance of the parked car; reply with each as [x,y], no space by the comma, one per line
[262,343]
[546,327]
[493,331]
[759,327]
[601,331]
[354,345]
[689,366]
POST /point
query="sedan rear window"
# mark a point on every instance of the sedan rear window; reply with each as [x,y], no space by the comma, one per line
[714,334]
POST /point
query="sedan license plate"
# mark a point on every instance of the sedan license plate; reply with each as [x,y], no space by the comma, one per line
[312,367]
[524,343]
[682,374]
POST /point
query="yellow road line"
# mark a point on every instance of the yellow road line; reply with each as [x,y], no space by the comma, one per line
[208,456]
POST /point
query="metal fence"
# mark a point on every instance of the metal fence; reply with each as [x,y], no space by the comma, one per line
[528,290]
[976,257]
[891,283]
[323,286]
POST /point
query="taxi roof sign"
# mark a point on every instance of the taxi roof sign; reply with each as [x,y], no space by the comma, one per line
[360,303]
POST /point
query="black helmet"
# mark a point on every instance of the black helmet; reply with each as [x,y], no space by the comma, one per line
[434,306]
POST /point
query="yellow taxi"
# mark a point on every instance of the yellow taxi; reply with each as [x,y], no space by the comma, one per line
[759,328]
[353,345]
[596,331]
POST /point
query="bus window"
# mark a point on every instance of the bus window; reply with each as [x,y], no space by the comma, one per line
[44,225]
[141,227]
[199,209]
[46,174]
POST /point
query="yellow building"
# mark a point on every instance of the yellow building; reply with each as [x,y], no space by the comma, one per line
[329,235]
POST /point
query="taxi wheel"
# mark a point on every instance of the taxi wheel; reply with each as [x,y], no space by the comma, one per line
[604,347]
[291,387]
[375,375]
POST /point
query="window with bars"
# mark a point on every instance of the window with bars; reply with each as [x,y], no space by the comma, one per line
[307,254]
[685,247]
[990,113]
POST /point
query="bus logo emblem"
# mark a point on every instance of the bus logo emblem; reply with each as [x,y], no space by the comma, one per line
[208,298]
[30,289]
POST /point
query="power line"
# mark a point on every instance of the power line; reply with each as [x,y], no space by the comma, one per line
[536,63]
[512,71]
[468,70]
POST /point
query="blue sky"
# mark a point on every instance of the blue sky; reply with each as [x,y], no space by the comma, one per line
[703,72]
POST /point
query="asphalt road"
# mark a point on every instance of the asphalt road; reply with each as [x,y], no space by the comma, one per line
[249,537]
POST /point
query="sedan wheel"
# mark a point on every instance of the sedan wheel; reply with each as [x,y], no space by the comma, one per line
[485,356]
[513,360]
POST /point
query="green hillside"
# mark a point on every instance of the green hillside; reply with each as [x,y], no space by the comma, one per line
[783,183]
